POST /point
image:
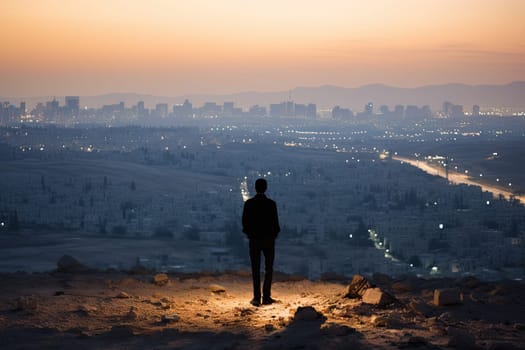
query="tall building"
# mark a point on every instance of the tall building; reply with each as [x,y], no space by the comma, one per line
[311,111]
[72,106]
[475,111]
[162,110]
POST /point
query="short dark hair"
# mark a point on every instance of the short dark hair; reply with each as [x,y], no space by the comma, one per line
[261,185]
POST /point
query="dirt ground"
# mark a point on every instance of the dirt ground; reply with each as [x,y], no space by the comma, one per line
[116,310]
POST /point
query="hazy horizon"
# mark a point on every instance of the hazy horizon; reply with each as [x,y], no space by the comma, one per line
[171,49]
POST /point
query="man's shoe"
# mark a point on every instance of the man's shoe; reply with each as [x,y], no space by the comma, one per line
[255,302]
[268,301]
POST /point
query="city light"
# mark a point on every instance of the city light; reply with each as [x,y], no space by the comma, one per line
[441,226]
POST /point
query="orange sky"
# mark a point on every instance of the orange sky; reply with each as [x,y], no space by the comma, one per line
[173,47]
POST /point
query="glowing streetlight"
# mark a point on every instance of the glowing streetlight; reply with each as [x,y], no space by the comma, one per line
[441,226]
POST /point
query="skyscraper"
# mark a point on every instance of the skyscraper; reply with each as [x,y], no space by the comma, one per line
[72,106]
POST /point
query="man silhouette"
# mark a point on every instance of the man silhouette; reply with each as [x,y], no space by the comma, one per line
[260,223]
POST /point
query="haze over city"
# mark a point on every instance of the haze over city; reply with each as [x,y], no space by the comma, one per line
[171,48]
[372,151]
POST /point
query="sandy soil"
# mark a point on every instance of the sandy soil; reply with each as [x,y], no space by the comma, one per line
[115,310]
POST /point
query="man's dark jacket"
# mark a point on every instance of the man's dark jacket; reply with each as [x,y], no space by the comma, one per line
[259,218]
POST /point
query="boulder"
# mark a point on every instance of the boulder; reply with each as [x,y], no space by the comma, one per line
[67,263]
[170,318]
[123,295]
[357,287]
[447,296]
[387,321]
[376,296]
[307,313]
[217,289]
[160,279]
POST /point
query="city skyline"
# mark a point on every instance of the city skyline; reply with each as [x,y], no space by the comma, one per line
[168,48]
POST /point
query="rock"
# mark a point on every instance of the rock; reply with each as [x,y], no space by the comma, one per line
[421,308]
[336,330]
[123,295]
[160,279]
[379,321]
[67,263]
[269,327]
[448,296]
[401,287]
[357,287]
[87,309]
[460,339]
[170,318]
[387,321]
[133,313]
[306,313]
[217,289]
[59,293]
[376,296]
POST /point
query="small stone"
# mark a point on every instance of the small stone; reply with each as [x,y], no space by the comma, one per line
[87,309]
[133,313]
[160,279]
[67,263]
[269,327]
[380,321]
[170,318]
[357,287]
[376,296]
[306,313]
[448,296]
[217,289]
[123,295]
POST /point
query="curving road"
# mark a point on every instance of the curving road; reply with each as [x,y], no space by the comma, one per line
[458,178]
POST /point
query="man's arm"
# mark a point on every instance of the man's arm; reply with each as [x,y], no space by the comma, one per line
[276,227]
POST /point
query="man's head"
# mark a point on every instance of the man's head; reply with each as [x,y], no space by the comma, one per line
[261,185]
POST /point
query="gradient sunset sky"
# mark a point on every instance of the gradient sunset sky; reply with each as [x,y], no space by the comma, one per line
[89,47]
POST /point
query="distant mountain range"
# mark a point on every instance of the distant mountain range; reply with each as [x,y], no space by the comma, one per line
[327,96]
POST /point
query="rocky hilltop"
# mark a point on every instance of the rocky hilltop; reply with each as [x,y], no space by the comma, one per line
[74,307]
